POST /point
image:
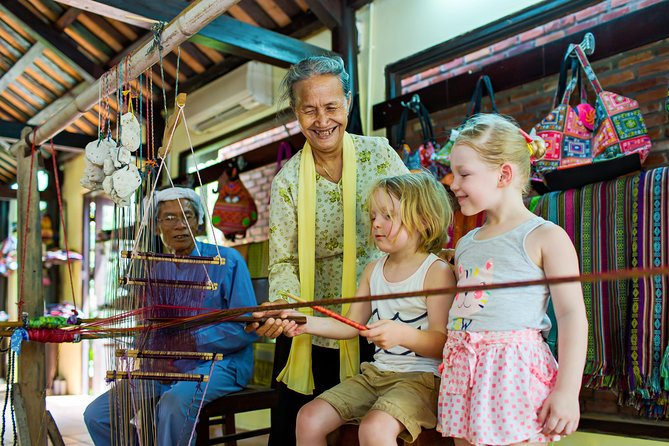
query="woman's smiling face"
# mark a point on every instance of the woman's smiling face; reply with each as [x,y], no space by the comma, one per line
[322,111]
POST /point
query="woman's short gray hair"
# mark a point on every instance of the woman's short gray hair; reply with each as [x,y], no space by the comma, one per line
[314,66]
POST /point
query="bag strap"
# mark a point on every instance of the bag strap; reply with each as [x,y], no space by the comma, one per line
[589,72]
[477,97]
[401,128]
[283,153]
[488,85]
[426,125]
[568,63]
[575,82]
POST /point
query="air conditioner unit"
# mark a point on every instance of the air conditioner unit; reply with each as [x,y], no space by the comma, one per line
[230,99]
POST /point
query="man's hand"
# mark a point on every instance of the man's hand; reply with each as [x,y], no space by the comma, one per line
[275,323]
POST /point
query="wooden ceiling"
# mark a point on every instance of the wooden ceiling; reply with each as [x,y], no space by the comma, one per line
[50,50]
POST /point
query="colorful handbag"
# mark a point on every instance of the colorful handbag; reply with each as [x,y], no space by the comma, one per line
[421,157]
[576,156]
[234,211]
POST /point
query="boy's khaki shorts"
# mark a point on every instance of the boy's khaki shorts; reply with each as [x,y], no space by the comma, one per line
[410,398]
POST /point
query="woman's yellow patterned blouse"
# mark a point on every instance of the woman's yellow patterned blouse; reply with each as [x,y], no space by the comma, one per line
[375,159]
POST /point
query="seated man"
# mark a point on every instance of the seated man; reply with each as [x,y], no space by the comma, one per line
[178,212]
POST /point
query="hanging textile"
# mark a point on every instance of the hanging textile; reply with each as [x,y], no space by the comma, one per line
[649,312]
[614,225]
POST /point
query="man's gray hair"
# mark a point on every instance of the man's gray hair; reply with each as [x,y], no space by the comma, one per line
[310,67]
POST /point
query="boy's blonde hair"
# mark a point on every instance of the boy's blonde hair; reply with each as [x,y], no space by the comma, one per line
[424,207]
[498,140]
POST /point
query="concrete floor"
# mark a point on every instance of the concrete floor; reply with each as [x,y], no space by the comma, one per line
[68,410]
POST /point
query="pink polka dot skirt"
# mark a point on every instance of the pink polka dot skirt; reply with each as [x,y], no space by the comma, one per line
[493,385]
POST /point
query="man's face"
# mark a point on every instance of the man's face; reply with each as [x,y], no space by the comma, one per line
[174,224]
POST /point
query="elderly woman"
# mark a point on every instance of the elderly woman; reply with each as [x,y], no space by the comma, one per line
[178,211]
[319,227]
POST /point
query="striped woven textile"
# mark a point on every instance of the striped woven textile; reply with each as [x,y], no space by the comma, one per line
[616,225]
[648,352]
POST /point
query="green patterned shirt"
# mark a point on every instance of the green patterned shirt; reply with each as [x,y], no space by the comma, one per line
[375,159]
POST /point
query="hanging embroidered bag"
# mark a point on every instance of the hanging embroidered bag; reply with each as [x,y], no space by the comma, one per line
[234,211]
[576,156]
[410,157]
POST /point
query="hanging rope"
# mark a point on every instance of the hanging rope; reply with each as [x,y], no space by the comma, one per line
[62,223]
[157,29]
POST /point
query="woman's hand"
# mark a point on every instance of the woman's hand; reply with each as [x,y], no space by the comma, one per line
[275,323]
[560,413]
[385,334]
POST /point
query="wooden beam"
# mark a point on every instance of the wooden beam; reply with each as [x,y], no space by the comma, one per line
[229,35]
[52,428]
[110,12]
[51,38]
[32,378]
[17,69]
[56,105]
[65,141]
[328,12]
[345,42]
[642,27]
[21,413]
[67,18]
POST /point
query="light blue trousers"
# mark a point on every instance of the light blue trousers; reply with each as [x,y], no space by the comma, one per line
[176,410]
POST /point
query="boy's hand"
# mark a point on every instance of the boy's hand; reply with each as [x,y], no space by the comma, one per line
[294,329]
[560,414]
[385,334]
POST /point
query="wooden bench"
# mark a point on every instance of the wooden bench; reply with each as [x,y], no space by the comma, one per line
[347,435]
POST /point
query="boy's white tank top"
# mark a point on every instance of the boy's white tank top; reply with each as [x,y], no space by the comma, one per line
[411,311]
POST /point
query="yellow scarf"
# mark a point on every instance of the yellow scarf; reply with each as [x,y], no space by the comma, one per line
[297,374]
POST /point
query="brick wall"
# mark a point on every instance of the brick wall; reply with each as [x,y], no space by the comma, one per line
[575,23]
[258,182]
[640,74]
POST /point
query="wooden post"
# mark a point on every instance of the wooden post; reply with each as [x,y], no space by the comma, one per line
[31,374]
[21,416]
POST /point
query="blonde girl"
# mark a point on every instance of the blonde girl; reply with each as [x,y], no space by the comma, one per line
[396,394]
[500,384]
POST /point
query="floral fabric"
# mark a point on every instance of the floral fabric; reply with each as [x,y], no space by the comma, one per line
[375,159]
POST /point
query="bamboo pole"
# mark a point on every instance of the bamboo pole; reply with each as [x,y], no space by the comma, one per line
[191,20]
[31,374]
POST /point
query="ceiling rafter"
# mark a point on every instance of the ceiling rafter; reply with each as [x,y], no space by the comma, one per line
[17,69]
[106,10]
[224,33]
[260,15]
[98,26]
[71,141]
[67,18]
[51,37]
[275,12]
[327,11]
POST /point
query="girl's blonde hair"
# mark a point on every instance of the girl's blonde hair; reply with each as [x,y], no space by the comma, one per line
[498,140]
[424,207]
